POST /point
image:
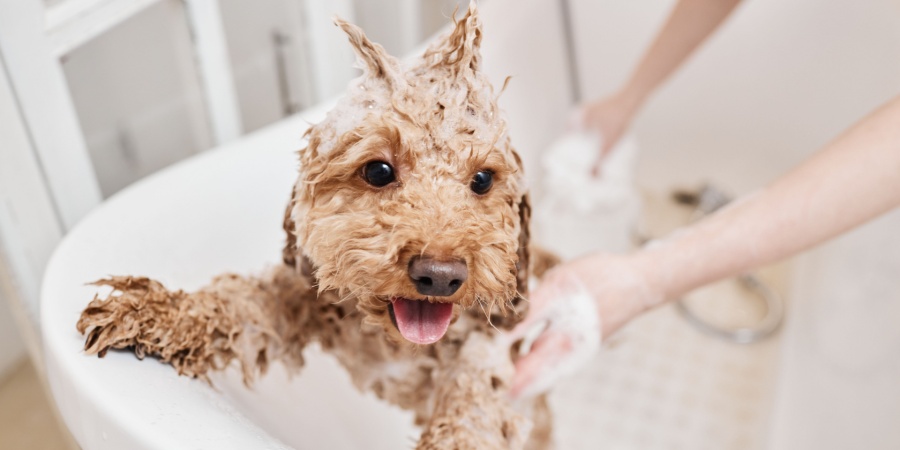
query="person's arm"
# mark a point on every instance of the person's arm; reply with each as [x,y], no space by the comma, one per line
[849,182]
[689,24]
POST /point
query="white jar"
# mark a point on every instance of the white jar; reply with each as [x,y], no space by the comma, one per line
[579,213]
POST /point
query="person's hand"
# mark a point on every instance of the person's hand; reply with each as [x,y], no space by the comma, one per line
[618,289]
[610,117]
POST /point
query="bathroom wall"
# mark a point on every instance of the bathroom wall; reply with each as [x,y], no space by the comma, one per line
[533,86]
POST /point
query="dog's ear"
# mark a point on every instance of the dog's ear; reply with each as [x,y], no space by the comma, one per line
[289,253]
[524,252]
[461,50]
[518,307]
[375,61]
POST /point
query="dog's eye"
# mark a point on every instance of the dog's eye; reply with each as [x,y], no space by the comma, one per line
[378,173]
[482,182]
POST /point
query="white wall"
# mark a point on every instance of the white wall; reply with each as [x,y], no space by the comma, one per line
[538,97]
[779,80]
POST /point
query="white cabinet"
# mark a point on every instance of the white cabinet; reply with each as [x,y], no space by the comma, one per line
[138,96]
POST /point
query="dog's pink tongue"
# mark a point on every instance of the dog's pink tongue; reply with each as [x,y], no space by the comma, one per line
[422,322]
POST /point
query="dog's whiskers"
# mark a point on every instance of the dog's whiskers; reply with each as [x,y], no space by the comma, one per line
[487,314]
[352,294]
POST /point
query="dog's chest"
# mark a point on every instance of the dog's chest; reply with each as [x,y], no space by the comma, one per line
[398,373]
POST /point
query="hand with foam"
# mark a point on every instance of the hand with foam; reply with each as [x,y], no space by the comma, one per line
[689,24]
[575,305]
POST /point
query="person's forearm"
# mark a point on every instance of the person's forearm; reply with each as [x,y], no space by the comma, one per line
[689,24]
[850,181]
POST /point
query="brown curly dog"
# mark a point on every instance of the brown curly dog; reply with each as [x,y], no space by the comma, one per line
[407,252]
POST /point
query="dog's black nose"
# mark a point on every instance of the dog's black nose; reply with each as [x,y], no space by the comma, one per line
[437,278]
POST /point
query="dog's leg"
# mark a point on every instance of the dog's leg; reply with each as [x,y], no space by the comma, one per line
[253,320]
[471,407]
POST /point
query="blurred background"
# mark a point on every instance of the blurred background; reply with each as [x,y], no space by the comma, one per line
[97,94]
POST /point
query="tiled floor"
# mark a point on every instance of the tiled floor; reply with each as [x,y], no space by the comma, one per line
[662,384]
[27,421]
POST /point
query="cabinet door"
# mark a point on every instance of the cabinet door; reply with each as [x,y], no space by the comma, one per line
[138,96]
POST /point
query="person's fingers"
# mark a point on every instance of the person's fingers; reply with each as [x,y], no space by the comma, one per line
[607,141]
[537,312]
[534,371]
[539,303]
[523,327]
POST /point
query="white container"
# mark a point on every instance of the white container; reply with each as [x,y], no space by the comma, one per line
[578,212]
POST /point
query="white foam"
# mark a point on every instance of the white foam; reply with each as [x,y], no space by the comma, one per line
[580,212]
[573,314]
[364,96]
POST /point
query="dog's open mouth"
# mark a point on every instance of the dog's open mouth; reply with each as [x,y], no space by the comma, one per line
[421,321]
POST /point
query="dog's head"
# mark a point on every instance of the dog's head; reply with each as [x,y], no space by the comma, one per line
[410,198]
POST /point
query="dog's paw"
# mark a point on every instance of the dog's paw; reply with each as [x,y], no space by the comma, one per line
[192,332]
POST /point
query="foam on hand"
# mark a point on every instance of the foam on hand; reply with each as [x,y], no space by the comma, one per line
[572,314]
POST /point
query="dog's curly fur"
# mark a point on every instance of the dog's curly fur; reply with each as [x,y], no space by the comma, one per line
[349,246]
